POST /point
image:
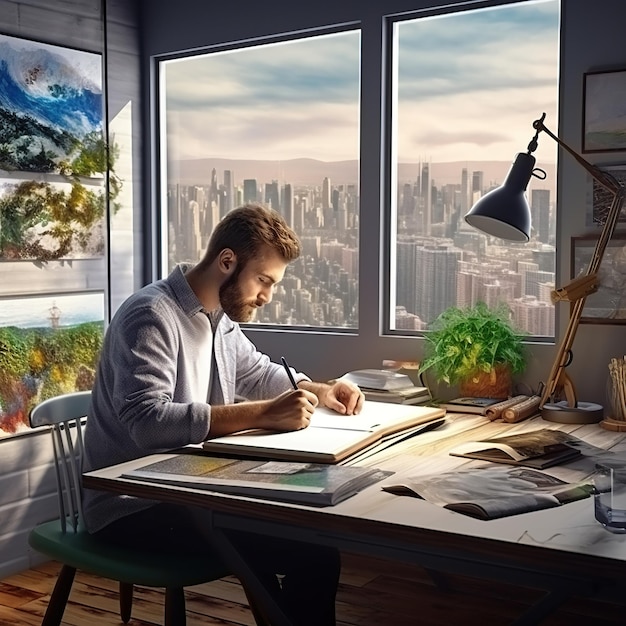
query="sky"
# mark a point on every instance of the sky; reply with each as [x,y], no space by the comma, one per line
[34,312]
[469,88]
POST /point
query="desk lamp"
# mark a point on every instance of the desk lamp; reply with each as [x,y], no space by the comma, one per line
[504,213]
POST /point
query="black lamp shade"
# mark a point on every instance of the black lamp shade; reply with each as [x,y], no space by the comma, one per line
[504,212]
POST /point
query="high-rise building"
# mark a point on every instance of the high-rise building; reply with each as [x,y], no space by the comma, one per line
[465,195]
[229,191]
[288,205]
[477,186]
[426,278]
[250,190]
[533,316]
[272,195]
[425,200]
[540,213]
[326,194]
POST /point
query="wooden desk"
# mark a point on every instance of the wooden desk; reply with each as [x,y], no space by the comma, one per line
[561,550]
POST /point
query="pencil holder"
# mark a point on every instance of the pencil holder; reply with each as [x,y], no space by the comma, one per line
[616,396]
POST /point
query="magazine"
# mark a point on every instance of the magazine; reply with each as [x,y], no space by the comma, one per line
[492,491]
[303,483]
[538,448]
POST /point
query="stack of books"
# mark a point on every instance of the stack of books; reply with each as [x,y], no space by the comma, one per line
[388,386]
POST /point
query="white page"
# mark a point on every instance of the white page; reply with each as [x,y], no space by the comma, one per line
[318,440]
[374,416]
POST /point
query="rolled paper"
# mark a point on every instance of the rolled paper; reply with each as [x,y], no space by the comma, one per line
[495,412]
[522,410]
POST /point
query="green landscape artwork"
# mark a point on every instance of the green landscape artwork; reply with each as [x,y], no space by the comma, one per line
[49,345]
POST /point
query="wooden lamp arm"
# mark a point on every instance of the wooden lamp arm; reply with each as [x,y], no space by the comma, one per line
[578,290]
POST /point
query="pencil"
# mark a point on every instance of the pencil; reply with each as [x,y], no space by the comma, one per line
[288,370]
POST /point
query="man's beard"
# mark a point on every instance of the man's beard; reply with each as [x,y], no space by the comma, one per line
[233,303]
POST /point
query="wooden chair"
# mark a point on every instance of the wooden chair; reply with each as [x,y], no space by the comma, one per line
[67,541]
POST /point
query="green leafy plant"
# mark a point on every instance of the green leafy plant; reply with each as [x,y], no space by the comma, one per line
[464,341]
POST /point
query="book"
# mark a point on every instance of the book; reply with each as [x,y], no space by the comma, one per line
[330,437]
[300,483]
[410,395]
[491,492]
[469,404]
[538,448]
[386,380]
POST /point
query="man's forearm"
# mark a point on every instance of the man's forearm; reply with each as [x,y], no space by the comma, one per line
[231,418]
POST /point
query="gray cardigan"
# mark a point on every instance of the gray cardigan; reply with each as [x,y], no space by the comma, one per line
[164,361]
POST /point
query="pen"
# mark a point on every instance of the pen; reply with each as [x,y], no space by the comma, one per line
[288,370]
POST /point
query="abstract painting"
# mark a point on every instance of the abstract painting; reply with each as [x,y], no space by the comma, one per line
[53,152]
[49,345]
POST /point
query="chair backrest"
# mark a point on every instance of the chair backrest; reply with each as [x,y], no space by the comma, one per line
[65,415]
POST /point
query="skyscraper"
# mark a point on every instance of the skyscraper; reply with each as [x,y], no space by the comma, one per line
[250,193]
[272,195]
[540,213]
[229,191]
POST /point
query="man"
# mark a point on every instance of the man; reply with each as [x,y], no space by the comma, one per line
[173,362]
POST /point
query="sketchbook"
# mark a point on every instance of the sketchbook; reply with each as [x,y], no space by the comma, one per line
[538,448]
[301,483]
[491,492]
[331,437]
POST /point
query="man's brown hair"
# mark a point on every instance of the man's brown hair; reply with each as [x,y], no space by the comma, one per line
[249,228]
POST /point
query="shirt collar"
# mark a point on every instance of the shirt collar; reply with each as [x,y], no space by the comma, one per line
[186,296]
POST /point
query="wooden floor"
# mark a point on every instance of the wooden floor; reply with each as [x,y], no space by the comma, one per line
[372,592]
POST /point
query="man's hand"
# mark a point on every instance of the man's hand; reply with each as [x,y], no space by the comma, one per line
[340,396]
[291,410]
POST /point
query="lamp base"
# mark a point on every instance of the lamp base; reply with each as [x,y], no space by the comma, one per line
[562,413]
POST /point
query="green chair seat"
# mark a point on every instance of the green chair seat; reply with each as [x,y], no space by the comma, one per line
[86,553]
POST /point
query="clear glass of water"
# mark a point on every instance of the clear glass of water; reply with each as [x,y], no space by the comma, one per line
[610,497]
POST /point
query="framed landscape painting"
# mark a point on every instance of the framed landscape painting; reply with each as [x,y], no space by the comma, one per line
[604,111]
[49,345]
[53,152]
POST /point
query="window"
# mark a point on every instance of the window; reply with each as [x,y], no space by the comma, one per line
[466,88]
[276,123]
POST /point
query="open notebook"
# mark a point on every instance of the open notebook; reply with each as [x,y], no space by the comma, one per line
[331,437]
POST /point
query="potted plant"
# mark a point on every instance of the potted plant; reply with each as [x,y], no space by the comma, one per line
[476,348]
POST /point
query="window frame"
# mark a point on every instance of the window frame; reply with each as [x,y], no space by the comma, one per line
[321,353]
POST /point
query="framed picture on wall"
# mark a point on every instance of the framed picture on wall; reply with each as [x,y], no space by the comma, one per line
[49,345]
[53,152]
[604,111]
[602,198]
[608,304]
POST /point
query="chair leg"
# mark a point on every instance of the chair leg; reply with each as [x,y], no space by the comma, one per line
[175,607]
[59,597]
[126,601]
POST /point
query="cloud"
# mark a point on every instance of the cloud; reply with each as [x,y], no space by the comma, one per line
[470,85]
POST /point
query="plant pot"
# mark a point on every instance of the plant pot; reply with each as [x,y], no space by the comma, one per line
[498,383]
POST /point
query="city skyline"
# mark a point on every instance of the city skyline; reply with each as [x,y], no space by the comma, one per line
[321,288]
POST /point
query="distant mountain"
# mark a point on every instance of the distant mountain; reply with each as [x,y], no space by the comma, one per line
[312,172]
